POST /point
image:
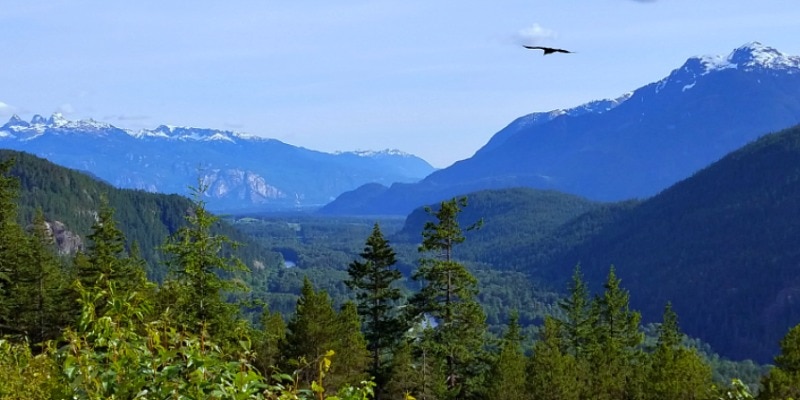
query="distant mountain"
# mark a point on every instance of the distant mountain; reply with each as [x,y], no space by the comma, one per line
[722,246]
[243,172]
[631,147]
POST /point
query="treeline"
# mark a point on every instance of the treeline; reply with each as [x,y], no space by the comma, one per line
[92,326]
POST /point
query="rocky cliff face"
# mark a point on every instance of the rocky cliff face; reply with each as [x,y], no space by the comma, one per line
[66,241]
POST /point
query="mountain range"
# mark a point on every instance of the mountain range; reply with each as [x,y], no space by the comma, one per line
[241,172]
[630,147]
[721,245]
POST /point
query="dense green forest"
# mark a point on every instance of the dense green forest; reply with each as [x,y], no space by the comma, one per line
[295,310]
[92,326]
[73,199]
[720,245]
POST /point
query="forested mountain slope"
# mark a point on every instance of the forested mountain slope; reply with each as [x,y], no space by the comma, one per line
[73,198]
[720,245]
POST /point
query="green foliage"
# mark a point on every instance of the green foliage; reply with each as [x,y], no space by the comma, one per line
[26,376]
[268,341]
[675,371]
[579,322]
[507,377]
[315,329]
[783,381]
[737,391]
[374,281]
[513,219]
[197,265]
[552,373]
[448,296]
[74,199]
[720,245]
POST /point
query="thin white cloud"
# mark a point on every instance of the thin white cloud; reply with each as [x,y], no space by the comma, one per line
[123,117]
[534,34]
[66,108]
[6,110]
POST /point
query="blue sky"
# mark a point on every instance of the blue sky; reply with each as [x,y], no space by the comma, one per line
[433,78]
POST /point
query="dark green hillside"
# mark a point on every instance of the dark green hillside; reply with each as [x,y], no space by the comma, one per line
[722,246]
[73,198]
[513,219]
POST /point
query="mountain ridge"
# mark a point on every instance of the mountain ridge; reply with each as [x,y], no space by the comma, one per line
[242,171]
[662,132]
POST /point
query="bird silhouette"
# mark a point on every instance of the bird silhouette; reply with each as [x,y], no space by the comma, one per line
[547,50]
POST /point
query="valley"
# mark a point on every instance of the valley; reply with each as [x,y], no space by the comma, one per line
[675,202]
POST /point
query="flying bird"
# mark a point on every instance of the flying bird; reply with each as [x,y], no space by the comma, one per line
[547,50]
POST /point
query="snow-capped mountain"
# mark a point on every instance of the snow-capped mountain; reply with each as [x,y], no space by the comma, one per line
[630,147]
[241,171]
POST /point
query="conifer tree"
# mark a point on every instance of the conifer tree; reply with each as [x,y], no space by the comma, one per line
[552,373]
[374,280]
[404,379]
[31,291]
[676,372]
[507,379]
[430,366]
[12,253]
[351,358]
[106,263]
[269,341]
[616,359]
[448,296]
[311,332]
[195,285]
[783,381]
[41,292]
[580,320]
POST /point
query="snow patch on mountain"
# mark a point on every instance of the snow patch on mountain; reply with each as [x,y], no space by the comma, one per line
[592,107]
[752,56]
[376,153]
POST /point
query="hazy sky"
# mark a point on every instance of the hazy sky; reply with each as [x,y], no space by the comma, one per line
[436,78]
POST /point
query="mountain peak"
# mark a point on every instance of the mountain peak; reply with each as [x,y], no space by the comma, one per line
[38,120]
[15,121]
[755,54]
[57,120]
[752,56]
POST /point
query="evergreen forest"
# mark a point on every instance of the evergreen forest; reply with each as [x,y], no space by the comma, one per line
[163,299]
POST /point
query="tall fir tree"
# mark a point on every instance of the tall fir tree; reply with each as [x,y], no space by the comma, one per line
[12,251]
[374,280]
[351,359]
[579,319]
[311,332]
[268,342]
[507,379]
[675,371]
[553,373]
[315,329]
[42,292]
[197,259]
[448,296]
[616,360]
[106,266]
[405,377]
